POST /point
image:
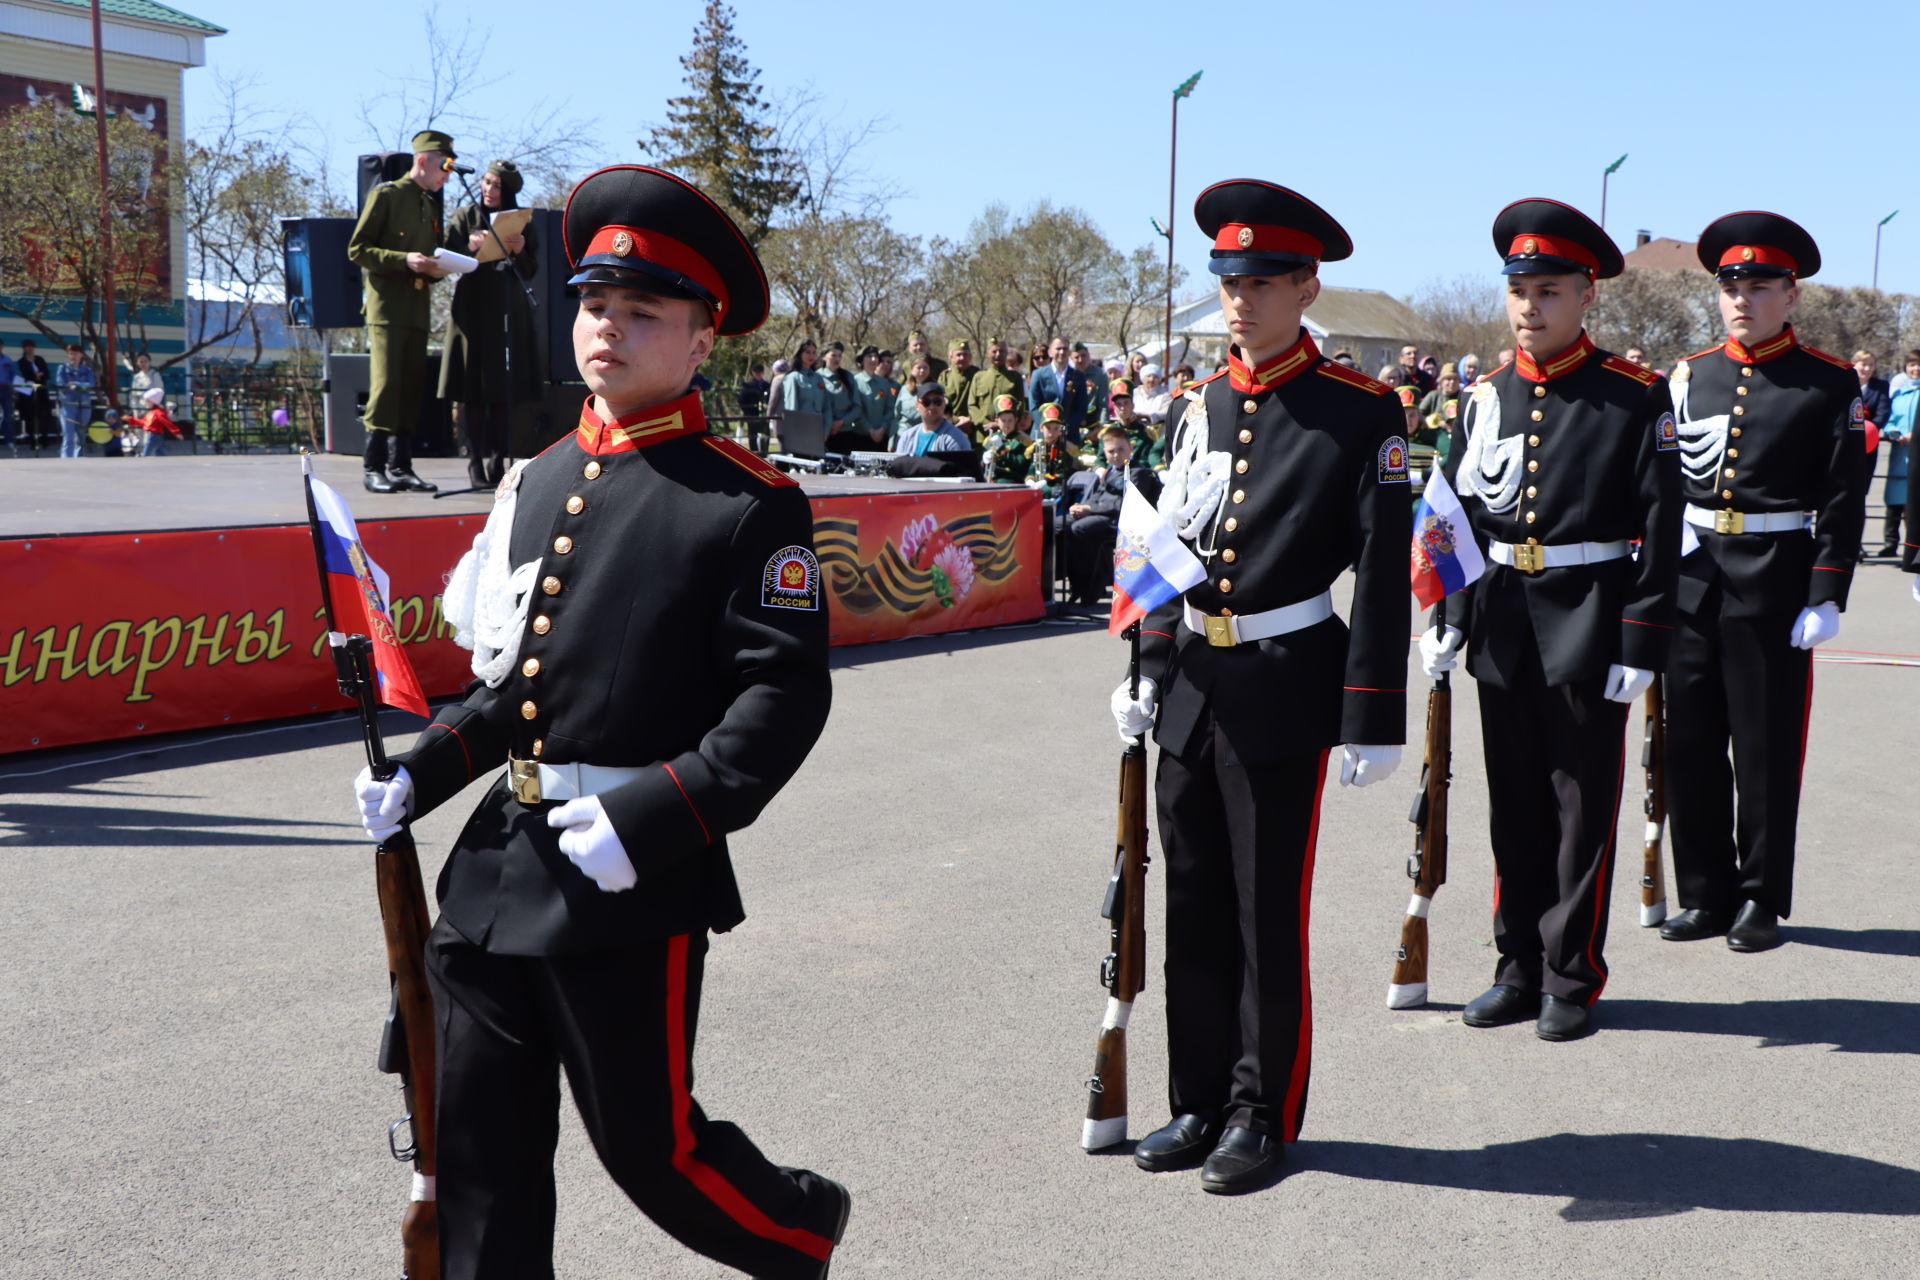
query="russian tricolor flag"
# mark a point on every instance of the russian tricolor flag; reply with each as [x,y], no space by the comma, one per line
[1150,564]
[358,591]
[1445,556]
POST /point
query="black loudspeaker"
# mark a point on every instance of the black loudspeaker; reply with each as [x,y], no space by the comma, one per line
[323,288]
[381,166]
[558,302]
[347,379]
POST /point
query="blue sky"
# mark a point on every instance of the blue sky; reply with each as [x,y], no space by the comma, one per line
[1410,123]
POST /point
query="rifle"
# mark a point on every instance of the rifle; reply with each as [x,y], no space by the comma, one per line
[406,1039]
[1123,971]
[1653,758]
[1427,864]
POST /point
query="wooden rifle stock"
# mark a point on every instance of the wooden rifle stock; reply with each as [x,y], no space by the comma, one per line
[407,1044]
[1427,865]
[1123,972]
[1653,758]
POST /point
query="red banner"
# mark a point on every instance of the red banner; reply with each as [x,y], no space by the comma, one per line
[906,564]
[123,635]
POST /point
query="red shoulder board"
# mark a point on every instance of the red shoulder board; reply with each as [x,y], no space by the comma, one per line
[1639,373]
[1195,386]
[1718,346]
[1835,361]
[750,462]
[1353,378]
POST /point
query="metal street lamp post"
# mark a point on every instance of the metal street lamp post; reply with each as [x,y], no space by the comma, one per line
[1603,189]
[1173,152]
[1876,248]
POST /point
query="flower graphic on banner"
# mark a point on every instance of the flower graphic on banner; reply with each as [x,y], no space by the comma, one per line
[929,563]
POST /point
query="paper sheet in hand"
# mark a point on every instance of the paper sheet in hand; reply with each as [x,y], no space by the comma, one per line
[506,222]
[453,264]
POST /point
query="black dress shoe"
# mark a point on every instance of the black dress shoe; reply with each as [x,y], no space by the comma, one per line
[1244,1161]
[1181,1143]
[405,478]
[1562,1019]
[1498,1006]
[1755,928]
[376,481]
[840,1225]
[1694,924]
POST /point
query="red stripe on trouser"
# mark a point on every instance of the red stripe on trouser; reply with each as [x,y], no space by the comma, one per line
[705,1179]
[1603,878]
[1303,1046]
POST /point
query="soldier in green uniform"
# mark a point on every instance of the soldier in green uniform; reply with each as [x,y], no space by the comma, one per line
[1051,459]
[1006,452]
[1139,434]
[917,349]
[989,384]
[393,246]
[956,380]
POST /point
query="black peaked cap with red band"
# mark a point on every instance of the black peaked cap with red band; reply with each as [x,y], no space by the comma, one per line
[642,228]
[1263,229]
[1757,244]
[1546,238]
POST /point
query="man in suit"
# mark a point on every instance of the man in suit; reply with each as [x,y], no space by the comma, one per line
[661,674]
[1567,457]
[1772,433]
[1287,471]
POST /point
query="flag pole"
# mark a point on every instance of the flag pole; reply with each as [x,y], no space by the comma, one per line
[313,533]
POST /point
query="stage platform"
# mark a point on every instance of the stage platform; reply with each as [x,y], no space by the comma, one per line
[152,594]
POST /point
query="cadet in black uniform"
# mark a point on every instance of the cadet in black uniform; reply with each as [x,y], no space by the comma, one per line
[661,671]
[1284,472]
[1775,478]
[1567,456]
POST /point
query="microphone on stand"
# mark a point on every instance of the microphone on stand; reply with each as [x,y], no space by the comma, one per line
[448,166]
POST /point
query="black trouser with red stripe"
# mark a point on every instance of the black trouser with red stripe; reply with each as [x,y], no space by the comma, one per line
[1738,682]
[1555,757]
[622,1023]
[1238,841]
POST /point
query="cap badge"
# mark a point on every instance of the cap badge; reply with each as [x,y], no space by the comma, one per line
[1746,254]
[622,244]
[1530,246]
[1246,237]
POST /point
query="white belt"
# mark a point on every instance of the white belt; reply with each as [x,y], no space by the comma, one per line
[1531,558]
[1245,628]
[1749,522]
[534,783]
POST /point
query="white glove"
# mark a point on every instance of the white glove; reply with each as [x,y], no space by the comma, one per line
[384,806]
[1440,650]
[588,838]
[1624,684]
[1134,715]
[1360,766]
[1816,626]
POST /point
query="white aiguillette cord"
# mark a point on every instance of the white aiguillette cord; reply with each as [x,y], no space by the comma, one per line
[487,597]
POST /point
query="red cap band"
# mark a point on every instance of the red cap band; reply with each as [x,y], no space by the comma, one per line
[1530,244]
[662,251]
[1239,237]
[1741,255]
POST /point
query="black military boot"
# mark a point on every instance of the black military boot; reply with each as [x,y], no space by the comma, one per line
[401,468]
[373,463]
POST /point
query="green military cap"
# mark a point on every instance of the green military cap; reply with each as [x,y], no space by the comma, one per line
[433,140]
[916,336]
[957,346]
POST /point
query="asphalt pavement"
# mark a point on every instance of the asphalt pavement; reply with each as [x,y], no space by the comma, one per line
[192,982]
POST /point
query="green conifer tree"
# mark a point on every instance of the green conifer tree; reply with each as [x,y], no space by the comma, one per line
[717,135]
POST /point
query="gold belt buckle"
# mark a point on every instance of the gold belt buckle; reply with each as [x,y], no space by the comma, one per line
[524,777]
[1729,522]
[1219,632]
[1527,558]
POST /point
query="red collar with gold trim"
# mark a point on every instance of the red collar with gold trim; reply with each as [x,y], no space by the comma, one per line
[1289,364]
[1779,344]
[644,427]
[1557,366]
